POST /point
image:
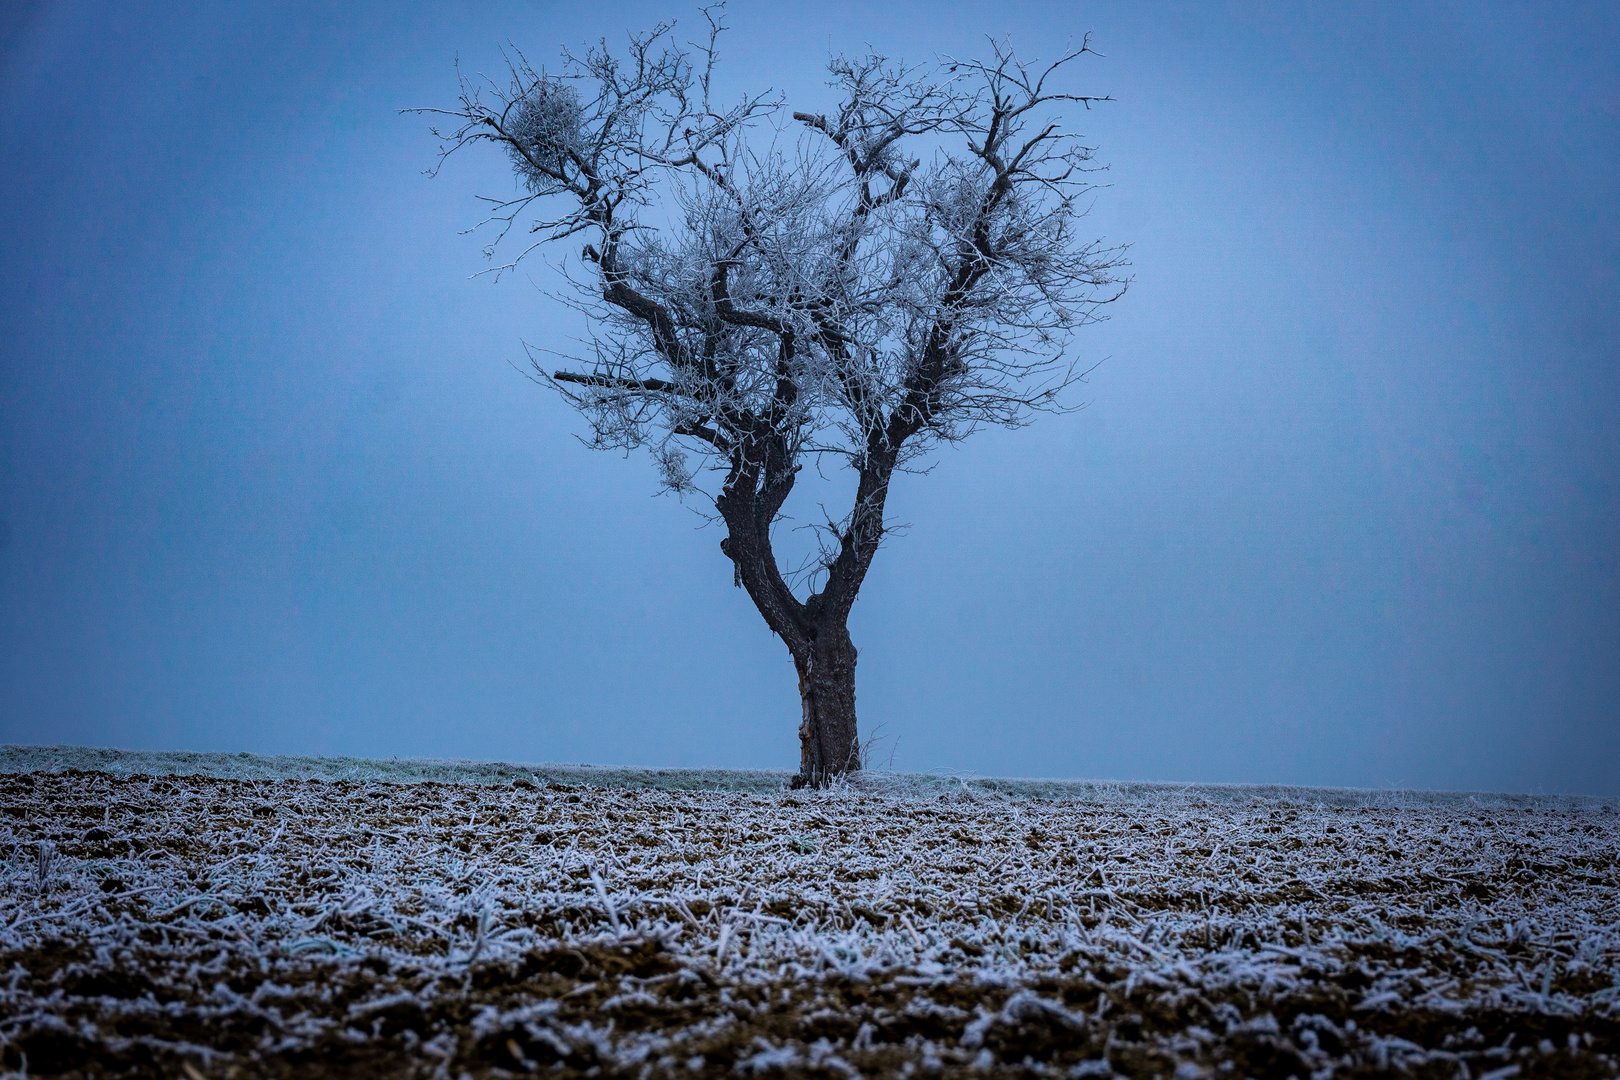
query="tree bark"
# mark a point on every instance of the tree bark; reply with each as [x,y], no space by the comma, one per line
[816,630]
[829,745]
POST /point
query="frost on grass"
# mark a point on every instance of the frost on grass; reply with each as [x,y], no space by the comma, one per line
[236,926]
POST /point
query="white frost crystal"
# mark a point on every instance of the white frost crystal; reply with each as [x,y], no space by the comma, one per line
[886,925]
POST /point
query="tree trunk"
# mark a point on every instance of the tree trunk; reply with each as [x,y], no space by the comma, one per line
[828,744]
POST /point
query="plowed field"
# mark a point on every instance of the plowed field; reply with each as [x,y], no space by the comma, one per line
[190,926]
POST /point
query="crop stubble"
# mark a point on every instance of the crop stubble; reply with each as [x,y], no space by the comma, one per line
[202,926]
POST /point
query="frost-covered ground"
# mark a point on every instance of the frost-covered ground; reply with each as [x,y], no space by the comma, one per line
[254,922]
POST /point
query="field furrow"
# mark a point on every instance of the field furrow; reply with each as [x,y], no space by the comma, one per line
[195,925]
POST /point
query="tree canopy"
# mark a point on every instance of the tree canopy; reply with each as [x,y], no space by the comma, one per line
[766,287]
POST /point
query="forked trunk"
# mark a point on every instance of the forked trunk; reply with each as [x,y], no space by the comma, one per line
[828,745]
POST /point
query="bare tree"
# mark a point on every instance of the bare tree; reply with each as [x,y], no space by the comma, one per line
[768,288]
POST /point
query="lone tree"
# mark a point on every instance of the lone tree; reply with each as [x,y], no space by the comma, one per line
[853,286]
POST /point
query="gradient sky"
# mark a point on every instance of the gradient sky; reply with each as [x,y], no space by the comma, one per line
[1342,508]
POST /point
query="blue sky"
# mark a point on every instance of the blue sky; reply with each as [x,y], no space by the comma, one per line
[1341,508]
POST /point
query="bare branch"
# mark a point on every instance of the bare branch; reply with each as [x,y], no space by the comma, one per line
[903,271]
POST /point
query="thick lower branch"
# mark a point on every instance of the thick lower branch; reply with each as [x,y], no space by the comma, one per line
[748,545]
[613,382]
[860,541]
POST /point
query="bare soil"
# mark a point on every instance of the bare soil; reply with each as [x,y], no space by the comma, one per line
[197,926]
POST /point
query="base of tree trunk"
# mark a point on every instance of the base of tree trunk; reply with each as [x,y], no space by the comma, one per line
[824,780]
[829,746]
